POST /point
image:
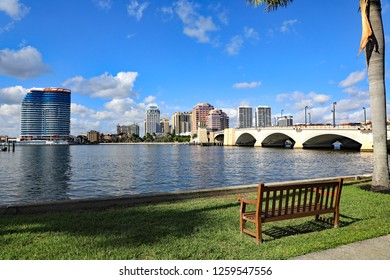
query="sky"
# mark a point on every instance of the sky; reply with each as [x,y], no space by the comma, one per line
[118,57]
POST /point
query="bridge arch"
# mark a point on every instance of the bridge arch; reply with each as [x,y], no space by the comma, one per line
[246,139]
[278,140]
[327,141]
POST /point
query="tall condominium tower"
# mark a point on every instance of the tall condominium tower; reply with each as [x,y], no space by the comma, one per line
[165,127]
[199,116]
[244,117]
[217,120]
[45,114]
[263,118]
[181,123]
[152,120]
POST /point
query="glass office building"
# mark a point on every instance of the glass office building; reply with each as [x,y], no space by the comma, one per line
[45,114]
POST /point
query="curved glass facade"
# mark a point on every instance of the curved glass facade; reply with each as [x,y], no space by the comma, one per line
[45,114]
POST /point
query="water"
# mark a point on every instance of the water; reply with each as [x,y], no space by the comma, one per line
[50,173]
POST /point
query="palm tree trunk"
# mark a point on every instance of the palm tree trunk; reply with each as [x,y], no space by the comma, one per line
[375,56]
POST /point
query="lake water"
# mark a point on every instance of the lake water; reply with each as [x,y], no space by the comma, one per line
[49,173]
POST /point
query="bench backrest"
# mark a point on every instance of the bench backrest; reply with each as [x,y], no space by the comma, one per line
[299,199]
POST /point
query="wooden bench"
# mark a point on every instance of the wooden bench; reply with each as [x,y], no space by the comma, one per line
[290,201]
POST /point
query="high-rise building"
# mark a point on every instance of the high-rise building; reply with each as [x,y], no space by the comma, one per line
[164,124]
[152,120]
[217,120]
[128,129]
[199,116]
[263,116]
[45,114]
[286,120]
[244,117]
[181,123]
[134,129]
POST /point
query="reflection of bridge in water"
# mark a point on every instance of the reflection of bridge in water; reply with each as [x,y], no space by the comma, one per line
[306,137]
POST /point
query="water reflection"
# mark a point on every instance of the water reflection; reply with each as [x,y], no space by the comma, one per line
[36,173]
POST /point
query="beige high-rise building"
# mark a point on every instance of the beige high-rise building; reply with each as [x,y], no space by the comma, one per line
[181,123]
[199,116]
[164,125]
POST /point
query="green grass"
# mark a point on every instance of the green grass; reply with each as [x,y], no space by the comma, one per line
[204,228]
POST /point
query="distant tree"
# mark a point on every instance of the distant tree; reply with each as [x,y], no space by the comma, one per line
[374,44]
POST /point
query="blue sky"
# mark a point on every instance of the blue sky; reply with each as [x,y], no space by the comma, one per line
[120,56]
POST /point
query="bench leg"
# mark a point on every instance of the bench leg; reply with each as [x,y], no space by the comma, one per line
[259,238]
[336,223]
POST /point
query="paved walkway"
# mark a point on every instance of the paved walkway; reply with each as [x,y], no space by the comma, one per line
[371,249]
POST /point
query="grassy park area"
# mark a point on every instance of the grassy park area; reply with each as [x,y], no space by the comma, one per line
[193,229]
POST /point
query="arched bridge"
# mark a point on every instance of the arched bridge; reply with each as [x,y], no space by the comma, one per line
[309,137]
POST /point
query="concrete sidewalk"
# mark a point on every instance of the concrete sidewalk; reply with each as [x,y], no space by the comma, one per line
[371,249]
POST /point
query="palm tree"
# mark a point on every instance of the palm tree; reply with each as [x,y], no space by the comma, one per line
[373,43]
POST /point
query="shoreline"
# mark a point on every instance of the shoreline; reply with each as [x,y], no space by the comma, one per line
[133,200]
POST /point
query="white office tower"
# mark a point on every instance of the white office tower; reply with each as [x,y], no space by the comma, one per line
[152,120]
[244,117]
[263,116]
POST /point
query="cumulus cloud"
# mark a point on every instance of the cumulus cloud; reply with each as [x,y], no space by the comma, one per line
[24,63]
[12,95]
[245,85]
[136,10]
[14,9]
[353,79]
[105,85]
[298,100]
[10,119]
[196,25]
[81,110]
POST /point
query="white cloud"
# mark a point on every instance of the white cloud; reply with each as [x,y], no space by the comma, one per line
[10,120]
[195,25]
[149,99]
[245,85]
[12,95]
[23,63]
[287,24]
[235,45]
[353,78]
[251,33]
[103,4]
[237,42]
[14,9]
[81,110]
[136,10]
[105,85]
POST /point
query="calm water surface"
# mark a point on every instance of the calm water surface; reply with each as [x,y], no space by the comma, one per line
[48,173]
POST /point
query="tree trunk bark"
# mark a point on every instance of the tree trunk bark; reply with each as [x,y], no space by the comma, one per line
[375,56]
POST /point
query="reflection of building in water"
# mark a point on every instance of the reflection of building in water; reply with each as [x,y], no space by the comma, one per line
[45,114]
[46,173]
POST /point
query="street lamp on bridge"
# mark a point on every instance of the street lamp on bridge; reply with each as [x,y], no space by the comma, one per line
[334,113]
[309,117]
[365,116]
[306,114]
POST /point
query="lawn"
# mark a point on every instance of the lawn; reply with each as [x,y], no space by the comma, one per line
[194,229]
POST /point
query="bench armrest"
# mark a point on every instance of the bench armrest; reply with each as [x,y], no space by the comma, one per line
[246,201]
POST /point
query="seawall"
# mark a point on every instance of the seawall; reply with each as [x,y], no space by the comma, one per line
[132,200]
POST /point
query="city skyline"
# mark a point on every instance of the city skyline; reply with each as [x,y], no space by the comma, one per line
[175,54]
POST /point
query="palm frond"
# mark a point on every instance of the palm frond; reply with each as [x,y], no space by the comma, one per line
[270,4]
